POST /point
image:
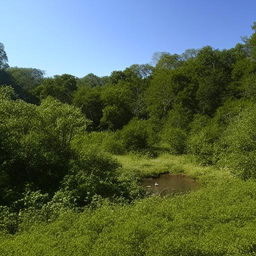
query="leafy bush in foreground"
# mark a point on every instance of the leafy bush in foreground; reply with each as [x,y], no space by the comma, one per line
[218,220]
[93,174]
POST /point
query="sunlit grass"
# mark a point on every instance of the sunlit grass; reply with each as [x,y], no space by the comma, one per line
[145,166]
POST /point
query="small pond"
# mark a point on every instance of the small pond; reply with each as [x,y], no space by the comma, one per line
[168,184]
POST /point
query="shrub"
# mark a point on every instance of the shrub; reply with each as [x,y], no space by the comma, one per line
[94,173]
[137,135]
[114,117]
[35,145]
[203,143]
[205,139]
[216,220]
[176,139]
[8,220]
[113,144]
[240,142]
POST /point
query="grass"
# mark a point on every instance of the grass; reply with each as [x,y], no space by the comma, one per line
[143,166]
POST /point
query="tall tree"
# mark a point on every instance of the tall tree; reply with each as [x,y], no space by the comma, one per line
[92,80]
[59,87]
[3,57]
[26,78]
[90,102]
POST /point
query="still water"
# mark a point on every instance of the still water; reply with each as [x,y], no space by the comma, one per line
[168,184]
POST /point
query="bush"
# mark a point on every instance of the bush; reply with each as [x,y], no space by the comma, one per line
[114,117]
[35,145]
[179,117]
[205,139]
[203,143]
[175,129]
[93,173]
[107,141]
[136,135]
[9,221]
[240,144]
[113,144]
[218,220]
[176,139]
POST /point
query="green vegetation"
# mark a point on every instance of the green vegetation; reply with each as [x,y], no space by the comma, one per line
[73,153]
[218,219]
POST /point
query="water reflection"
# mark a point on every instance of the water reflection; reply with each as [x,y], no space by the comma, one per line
[167,184]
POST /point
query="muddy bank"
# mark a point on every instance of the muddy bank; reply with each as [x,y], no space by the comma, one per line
[168,184]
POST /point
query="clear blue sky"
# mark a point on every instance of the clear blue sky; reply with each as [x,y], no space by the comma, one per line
[98,36]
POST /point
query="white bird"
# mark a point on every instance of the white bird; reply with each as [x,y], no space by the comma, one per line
[156,184]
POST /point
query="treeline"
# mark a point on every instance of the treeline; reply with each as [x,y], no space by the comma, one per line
[55,132]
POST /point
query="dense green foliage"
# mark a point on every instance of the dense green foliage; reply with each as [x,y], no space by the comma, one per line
[62,138]
[26,78]
[202,223]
